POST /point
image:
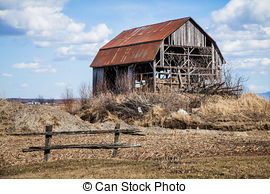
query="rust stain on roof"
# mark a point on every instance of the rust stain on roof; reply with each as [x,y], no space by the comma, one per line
[126,54]
[143,34]
[138,44]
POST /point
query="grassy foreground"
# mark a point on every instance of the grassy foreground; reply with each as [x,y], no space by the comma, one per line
[215,167]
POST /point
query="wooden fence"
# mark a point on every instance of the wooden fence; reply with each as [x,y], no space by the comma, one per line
[49,133]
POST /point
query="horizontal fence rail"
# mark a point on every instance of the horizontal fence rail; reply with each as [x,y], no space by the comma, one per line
[82,146]
[49,133]
[86,132]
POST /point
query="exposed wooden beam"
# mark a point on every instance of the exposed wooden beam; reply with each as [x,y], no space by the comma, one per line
[162,53]
[154,75]
[191,55]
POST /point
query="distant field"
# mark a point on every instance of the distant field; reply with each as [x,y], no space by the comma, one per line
[215,167]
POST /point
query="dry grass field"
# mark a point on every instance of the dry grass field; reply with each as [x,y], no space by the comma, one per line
[164,153]
[214,167]
[219,137]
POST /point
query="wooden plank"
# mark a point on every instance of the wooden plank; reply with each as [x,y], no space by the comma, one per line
[124,131]
[48,138]
[116,138]
[168,83]
[184,74]
[213,58]
[191,55]
[81,146]
[154,75]
[184,68]
[185,46]
[180,78]
[188,70]
[162,54]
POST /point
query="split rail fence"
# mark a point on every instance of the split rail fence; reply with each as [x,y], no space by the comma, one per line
[49,133]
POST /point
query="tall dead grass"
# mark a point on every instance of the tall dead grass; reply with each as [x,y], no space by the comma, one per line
[249,107]
[247,112]
[142,109]
[162,109]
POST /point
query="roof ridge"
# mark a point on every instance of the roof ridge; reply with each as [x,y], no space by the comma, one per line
[156,23]
[147,33]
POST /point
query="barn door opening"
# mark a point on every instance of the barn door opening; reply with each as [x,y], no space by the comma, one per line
[110,78]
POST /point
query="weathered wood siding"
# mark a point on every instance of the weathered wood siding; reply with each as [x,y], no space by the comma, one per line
[187,35]
[98,75]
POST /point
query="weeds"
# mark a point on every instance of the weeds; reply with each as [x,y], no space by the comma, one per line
[162,109]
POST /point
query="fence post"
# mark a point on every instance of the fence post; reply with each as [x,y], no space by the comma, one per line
[116,138]
[47,143]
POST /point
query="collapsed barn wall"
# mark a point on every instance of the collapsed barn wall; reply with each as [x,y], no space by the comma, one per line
[187,60]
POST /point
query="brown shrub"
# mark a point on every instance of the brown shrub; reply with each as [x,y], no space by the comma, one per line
[249,107]
[161,109]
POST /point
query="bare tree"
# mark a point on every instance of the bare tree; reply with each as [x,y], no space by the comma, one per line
[68,99]
[85,93]
[40,99]
[51,101]
[232,81]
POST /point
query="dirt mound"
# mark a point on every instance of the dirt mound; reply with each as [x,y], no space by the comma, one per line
[15,116]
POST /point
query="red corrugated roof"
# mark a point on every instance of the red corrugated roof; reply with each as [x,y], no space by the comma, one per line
[138,44]
[145,33]
[127,54]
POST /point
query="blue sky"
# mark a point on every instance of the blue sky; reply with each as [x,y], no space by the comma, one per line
[48,45]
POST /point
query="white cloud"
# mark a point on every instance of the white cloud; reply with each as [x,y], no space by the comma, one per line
[26,3]
[31,65]
[45,22]
[60,84]
[255,65]
[77,51]
[45,69]
[7,75]
[237,12]
[242,31]
[258,88]
[242,27]
[36,67]
[24,85]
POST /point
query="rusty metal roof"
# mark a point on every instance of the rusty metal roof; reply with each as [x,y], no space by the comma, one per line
[147,33]
[138,44]
[126,54]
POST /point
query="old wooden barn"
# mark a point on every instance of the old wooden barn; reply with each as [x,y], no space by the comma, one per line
[175,55]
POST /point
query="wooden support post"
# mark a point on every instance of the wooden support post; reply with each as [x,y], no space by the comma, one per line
[116,138]
[213,62]
[154,75]
[188,60]
[180,78]
[47,143]
[220,71]
[218,63]
[170,77]
[162,54]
